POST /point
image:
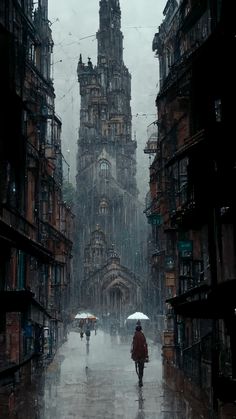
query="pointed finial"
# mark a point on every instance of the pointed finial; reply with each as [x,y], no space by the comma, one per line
[90,63]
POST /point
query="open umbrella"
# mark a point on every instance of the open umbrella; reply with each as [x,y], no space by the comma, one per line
[84,316]
[138,316]
[92,317]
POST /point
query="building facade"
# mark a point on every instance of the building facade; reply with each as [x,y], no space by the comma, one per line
[107,192]
[109,287]
[192,201]
[36,281]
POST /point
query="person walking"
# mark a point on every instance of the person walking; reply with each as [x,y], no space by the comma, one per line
[87,333]
[139,352]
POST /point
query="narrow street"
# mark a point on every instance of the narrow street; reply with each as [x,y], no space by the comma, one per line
[101,382]
[117,166]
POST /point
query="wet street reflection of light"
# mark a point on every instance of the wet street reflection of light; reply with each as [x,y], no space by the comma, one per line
[99,381]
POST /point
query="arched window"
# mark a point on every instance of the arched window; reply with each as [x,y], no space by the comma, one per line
[103,207]
[104,167]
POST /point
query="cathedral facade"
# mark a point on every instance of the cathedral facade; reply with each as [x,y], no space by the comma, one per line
[107,194]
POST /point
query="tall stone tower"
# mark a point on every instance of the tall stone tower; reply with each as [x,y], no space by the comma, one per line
[107,192]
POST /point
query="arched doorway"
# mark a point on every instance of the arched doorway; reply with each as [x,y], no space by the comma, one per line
[116,302]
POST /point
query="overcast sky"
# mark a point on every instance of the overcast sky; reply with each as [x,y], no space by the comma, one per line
[74,24]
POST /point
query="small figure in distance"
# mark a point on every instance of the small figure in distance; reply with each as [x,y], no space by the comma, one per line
[139,352]
[87,333]
[113,329]
[81,332]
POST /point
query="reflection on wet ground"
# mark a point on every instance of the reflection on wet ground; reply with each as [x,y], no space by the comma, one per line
[99,381]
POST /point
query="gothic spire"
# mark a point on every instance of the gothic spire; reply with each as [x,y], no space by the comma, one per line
[109,36]
[112,3]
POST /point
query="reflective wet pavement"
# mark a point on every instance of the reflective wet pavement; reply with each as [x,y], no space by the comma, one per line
[100,382]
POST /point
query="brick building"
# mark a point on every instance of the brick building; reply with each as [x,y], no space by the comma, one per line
[192,199]
[36,282]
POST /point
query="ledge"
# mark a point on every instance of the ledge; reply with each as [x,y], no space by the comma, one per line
[205,302]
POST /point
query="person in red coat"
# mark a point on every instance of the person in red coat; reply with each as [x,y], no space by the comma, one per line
[139,352]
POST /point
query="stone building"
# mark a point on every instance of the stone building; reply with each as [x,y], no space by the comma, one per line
[107,193]
[193,202]
[108,286]
[35,224]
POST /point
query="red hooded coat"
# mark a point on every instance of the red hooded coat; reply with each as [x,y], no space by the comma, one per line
[139,347]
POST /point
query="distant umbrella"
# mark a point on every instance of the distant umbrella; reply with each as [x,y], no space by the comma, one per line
[84,316]
[138,316]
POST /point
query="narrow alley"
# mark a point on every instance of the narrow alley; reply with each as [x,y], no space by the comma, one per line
[117,204]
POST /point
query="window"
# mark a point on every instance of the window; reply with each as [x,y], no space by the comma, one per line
[2,322]
[103,114]
[218,116]
[103,207]
[104,167]
[21,270]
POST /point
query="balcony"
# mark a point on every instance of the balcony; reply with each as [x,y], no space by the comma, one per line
[25,347]
[19,301]
[188,215]
[22,234]
[205,302]
[195,17]
[188,282]
[153,206]
[151,147]
[55,242]
[15,222]
[152,144]
[188,147]
[192,303]
[6,365]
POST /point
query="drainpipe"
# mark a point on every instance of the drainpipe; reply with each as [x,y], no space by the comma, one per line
[215,333]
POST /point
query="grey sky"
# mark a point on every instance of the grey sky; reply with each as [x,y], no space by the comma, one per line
[74,25]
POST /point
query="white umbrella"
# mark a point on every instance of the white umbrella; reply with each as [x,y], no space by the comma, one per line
[85,316]
[138,316]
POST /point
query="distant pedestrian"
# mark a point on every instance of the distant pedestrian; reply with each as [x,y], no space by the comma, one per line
[81,333]
[139,352]
[87,333]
